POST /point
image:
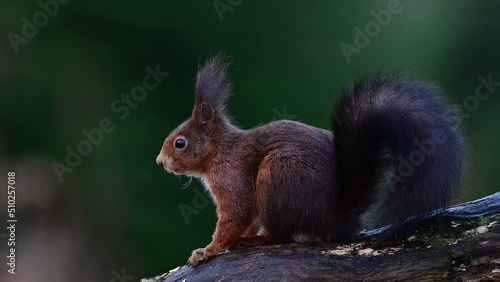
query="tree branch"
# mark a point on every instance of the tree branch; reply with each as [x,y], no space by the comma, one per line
[465,245]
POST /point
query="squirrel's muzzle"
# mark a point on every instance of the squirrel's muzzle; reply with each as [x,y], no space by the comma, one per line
[159,160]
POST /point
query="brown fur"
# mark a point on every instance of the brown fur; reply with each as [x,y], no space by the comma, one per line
[281,177]
[274,177]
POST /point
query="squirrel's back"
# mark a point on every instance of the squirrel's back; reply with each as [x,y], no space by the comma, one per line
[396,151]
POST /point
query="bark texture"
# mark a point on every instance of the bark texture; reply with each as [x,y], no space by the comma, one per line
[460,243]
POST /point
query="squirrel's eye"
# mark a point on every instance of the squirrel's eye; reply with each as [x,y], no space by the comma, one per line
[180,143]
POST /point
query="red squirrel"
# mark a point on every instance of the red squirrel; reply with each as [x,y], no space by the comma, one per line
[395,151]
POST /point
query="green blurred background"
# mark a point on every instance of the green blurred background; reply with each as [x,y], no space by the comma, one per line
[118,210]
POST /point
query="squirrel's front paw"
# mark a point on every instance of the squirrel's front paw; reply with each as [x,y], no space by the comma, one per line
[199,254]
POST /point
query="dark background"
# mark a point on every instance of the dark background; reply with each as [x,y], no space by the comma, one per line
[117,210]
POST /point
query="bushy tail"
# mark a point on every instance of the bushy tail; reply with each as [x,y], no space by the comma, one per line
[399,145]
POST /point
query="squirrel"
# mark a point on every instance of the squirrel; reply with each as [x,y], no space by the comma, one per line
[395,150]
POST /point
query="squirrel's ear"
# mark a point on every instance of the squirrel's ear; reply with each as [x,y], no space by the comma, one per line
[203,113]
[212,86]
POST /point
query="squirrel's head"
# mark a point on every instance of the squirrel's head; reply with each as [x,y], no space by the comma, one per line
[189,148]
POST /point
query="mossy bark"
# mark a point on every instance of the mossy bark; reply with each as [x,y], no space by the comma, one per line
[463,246]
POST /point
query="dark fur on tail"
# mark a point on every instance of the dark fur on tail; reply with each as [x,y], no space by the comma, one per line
[399,145]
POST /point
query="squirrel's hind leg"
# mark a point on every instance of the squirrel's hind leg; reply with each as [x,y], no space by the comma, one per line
[258,240]
[295,195]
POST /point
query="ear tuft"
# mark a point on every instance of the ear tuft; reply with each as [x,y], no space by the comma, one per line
[205,113]
[212,86]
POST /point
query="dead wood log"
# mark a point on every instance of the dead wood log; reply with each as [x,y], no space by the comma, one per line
[463,246]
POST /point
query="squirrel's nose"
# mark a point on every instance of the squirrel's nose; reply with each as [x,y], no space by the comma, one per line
[159,161]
